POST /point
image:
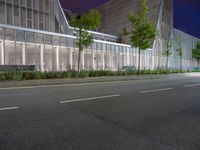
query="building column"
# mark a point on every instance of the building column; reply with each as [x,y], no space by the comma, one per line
[70,58]
[83,59]
[2,52]
[93,59]
[23,54]
[103,61]
[57,59]
[42,58]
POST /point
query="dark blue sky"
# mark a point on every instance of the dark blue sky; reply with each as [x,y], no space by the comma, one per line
[186,12]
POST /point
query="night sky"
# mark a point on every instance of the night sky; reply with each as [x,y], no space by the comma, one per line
[186,12]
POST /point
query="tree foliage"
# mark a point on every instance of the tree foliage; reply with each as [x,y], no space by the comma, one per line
[196,52]
[88,21]
[142,32]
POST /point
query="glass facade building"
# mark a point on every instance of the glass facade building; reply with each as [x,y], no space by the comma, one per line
[36,32]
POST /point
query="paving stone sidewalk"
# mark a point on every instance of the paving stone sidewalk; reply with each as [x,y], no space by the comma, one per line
[7,84]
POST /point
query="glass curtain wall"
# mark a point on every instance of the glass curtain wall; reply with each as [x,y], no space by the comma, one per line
[34,14]
[58,52]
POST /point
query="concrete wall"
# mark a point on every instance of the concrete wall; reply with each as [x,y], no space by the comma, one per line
[188,43]
[115,15]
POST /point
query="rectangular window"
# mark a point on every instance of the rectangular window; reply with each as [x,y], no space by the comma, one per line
[69,42]
[99,46]
[20,36]
[48,39]
[16,16]
[56,40]
[33,55]
[1,33]
[23,17]
[23,2]
[30,37]
[52,23]
[41,17]
[16,2]
[29,14]
[2,8]
[9,1]
[41,21]
[9,14]
[36,19]
[36,4]
[47,22]
[48,58]
[29,23]
[29,18]
[41,26]
[9,34]
[63,41]
[18,54]
[47,5]
[56,25]
[10,55]
[2,12]
[41,5]
[16,11]
[29,3]
[39,38]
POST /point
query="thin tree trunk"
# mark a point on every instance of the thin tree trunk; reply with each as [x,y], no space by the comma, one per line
[138,73]
[79,58]
[79,53]
[167,62]
[180,64]
[198,63]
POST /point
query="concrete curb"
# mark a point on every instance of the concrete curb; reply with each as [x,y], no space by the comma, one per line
[49,82]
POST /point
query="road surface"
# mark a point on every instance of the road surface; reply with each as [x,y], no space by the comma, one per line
[161,114]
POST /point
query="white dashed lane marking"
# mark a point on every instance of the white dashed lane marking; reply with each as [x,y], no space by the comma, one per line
[192,85]
[156,90]
[90,98]
[9,108]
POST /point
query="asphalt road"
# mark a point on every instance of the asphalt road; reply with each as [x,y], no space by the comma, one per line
[161,114]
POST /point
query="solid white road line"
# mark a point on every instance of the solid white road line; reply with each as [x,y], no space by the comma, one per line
[156,90]
[62,85]
[192,85]
[8,108]
[91,98]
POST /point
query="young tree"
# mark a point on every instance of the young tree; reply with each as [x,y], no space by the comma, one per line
[196,53]
[168,52]
[180,52]
[142,32]
[82,23]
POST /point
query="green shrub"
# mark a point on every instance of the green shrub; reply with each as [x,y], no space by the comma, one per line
[27,75]
[2,76]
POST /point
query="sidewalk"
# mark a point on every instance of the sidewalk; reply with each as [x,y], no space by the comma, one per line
[26,83]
